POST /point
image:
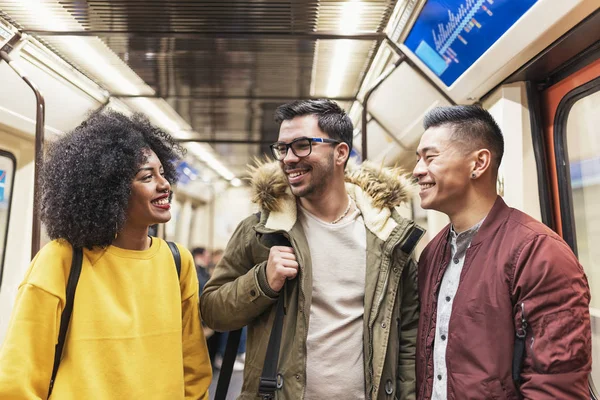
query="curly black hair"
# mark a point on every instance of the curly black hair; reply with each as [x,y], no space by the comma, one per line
[86,175]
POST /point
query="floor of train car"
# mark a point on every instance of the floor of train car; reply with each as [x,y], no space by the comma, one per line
[235,385]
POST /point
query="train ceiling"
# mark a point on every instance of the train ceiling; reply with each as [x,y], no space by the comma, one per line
[223,66]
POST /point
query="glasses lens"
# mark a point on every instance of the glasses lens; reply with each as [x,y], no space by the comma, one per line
[301,148]
[278,151]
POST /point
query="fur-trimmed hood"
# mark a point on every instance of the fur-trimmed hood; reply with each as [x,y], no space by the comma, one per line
[387,187]
[376,191]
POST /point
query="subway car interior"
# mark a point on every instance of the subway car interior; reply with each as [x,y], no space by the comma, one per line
[212,73]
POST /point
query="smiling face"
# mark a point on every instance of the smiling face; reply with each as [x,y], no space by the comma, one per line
[443,170]
[307,176]
[149,202]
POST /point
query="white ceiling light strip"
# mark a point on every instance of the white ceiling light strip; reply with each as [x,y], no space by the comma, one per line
[96,57]
[203,152]
[343,49]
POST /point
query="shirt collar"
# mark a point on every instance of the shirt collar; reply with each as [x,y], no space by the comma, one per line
[472,231]
[461,241]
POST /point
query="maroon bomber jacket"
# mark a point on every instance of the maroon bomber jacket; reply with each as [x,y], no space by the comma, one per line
[513,260]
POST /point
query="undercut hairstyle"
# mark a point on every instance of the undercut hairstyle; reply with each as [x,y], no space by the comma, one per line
[86,175]
[473,126]
[332,120]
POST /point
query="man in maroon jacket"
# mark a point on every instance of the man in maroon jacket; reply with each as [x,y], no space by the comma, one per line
[495,284]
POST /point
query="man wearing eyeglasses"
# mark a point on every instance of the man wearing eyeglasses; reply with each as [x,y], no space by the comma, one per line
[348,280]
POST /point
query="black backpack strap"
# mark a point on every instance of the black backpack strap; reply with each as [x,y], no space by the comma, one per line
[270,381]
[76,263]
[176,256]
[519,348]
[233,342]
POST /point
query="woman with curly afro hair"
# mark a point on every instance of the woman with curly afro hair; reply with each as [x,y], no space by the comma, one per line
[135,329]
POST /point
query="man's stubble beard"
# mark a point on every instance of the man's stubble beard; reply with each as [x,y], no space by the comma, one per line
[318,184]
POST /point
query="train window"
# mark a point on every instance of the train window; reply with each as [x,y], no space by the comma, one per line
[583,152]
[7,173]
[583,144]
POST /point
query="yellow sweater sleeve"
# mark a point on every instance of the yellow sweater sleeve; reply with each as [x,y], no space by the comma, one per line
[27,354]
[196,362]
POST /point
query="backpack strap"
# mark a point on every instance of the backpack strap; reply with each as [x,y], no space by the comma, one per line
[74,274]
[519,348]
[65,318]
[270,380]
[233,342]
[176,256]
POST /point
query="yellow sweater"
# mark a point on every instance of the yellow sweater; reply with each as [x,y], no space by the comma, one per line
[135,331]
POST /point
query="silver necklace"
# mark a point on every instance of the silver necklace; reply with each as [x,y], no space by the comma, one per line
[341,217]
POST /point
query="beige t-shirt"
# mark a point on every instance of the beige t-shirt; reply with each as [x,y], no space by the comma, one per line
[334,365]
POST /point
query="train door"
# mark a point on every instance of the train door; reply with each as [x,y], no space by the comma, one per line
[16,213]
[8,165]
[570,124]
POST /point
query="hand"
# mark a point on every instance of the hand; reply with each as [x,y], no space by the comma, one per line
[207,331]
[281,265]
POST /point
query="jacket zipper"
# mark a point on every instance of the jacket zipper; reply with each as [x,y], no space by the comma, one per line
[522,333]
[371,339]
[303,298]
[387,261]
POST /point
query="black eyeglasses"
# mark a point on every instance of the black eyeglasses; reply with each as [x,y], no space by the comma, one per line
[301,147]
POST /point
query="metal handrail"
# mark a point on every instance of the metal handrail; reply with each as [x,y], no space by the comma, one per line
[592,387]
[402,58]
[365,103]
[39,146]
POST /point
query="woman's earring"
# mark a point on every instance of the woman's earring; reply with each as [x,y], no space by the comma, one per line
[116,229]
[473,175]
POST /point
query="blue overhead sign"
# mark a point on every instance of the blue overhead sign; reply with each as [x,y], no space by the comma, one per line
[450,35]
[185,173]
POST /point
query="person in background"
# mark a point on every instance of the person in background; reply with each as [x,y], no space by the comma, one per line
[135,328]
[495,285]
[218,340]
[216,257]
[202,261]
[240,358]
[348,271]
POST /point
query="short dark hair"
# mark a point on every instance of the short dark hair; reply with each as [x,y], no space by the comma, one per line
[198,251]
[86,175]
[331,118]
[470,124]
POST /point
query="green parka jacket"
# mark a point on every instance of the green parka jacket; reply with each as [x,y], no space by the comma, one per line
[238,293]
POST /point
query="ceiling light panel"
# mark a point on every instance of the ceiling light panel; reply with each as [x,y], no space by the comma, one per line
[92,56]
[339,65]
